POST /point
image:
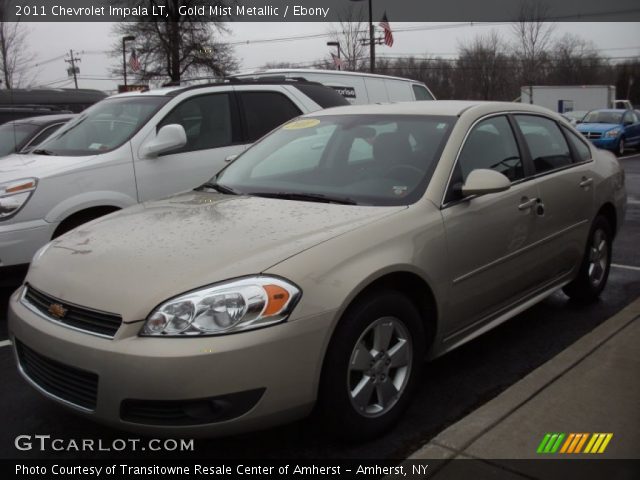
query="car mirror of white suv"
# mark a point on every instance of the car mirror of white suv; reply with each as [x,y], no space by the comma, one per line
[168,138]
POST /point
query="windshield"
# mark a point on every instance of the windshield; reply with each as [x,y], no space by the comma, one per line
[103,127]
[603,117]
[359,159]
[14,134]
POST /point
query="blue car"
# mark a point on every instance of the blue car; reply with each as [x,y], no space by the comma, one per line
[614,130]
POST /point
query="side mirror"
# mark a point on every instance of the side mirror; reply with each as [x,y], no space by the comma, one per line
[231,158]
[168,138]
[627,123]
[483,181]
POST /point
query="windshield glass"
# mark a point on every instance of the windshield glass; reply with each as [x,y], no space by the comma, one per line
[603,117]
[12,134]
[103,127]
[362,159]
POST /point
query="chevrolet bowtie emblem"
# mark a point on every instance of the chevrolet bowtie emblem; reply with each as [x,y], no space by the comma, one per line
[57,310]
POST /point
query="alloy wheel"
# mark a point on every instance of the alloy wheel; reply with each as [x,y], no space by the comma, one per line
[598,257]
[379,367]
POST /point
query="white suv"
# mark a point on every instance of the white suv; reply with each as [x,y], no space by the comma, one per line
[136,147]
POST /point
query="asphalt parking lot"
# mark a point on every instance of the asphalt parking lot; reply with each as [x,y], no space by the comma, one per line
[451,387]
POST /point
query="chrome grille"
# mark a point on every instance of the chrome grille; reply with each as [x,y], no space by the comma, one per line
[81,318]
[592,135]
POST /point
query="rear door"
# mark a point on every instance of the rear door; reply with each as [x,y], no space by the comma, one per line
[263,110]
[564,173]
[489,238]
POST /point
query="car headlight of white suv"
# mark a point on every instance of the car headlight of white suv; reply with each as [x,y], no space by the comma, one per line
[228,307]
[14,194]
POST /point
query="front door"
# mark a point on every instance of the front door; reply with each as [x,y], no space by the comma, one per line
[490,237]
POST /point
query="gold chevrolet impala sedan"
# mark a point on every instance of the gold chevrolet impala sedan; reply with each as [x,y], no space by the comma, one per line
[319,269]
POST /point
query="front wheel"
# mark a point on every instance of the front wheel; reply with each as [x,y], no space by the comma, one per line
[371,366]
[621,148]
[594,271]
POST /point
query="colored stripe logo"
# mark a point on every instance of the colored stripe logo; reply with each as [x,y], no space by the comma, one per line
[573,443]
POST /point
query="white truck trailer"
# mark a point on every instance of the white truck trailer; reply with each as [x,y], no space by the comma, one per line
[567,98]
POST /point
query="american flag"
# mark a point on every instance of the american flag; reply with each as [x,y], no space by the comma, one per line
[388,34]
[134,62]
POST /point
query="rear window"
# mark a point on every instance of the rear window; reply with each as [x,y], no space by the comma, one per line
[421,92]
[324,96]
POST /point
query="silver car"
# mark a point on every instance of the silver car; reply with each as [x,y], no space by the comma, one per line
[320,269]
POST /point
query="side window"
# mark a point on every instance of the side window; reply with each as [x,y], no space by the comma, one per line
[548,148]
[491,144]
[206,119]
[421,93]
[581,148]
[629,118]
[44,134]
[264,111]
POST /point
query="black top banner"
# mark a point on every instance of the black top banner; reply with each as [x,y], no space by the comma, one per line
[321,10]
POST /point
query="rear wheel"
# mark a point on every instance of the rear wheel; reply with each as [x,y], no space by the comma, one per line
[596,263]
[371,366]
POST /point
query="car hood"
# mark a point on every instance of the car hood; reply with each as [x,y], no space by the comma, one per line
[18,166]
[596,127]
[130,261]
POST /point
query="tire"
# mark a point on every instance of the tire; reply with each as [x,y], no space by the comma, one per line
[371,366]
[620,149]
[594,270]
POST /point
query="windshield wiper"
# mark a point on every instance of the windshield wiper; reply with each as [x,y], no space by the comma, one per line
[42,151]
[219,188]
[307,197]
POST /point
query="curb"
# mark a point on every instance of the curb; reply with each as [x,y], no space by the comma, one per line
[454,440]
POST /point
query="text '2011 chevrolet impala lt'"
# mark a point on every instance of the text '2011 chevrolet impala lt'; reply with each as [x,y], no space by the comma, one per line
[320,269]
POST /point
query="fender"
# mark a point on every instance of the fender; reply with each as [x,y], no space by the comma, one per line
[85,200]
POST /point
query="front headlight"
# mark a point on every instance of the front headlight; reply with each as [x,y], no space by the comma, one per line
[14,194]
[228,307]
[613,133]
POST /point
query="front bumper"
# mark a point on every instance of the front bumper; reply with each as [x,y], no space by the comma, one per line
[20,241]
[279,365]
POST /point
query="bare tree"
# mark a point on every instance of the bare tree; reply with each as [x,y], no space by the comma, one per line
[483,69]
[350,29]
[178,45]
[13,49]
[533,35]
[576,61]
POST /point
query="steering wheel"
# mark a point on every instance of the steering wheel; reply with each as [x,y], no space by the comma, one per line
[406,173]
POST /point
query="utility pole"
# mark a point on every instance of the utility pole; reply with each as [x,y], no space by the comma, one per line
[73,70]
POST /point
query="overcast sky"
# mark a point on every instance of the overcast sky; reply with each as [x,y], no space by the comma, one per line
[48,41]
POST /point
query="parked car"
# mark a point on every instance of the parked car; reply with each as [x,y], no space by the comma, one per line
[320,267]
[358,88]
[575,117]
[19,103]
[136,147]
[23,135]
[614,130]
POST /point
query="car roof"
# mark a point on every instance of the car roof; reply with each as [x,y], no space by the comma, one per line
[44,119]
[231,81]
[282,71]
[611,110]
[431,107]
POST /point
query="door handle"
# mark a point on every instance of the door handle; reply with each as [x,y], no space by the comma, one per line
[586,182]
[527,203]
